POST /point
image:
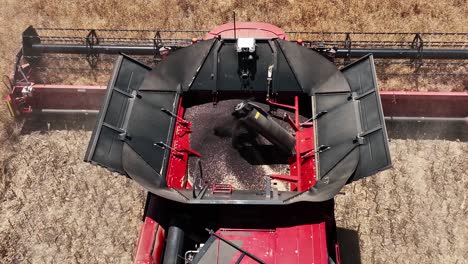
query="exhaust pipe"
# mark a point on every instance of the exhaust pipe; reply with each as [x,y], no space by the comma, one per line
[173,253]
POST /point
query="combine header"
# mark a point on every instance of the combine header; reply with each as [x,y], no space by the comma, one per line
[51,63]
[242,135]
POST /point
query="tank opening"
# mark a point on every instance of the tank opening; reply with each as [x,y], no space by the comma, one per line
[233,153]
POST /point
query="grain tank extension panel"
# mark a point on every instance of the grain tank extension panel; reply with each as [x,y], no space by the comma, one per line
[135,131]
[129,122]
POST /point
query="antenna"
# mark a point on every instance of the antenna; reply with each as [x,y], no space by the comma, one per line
[234,16]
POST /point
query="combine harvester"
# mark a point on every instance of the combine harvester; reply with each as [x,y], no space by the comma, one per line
[242,102]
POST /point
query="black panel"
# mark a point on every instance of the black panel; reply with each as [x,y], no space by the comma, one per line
[352,120]
[228,78]
[105,147]
[108,151]
[206,79]
[139,170]
[213,65]
[336,132]
[314,72]
[205,251]
[284,80]
[375,154]
[130,123]
[350,132]
[265,59]
[330,101]
[218,251]
[30,37]
[180,68]
[149,125]
[131,76]
[118,105]
[220,70]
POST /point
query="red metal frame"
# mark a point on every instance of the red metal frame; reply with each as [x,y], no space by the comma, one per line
[82,98]
[247,30]
[178,160]
[298,244]
[150,243]
[55,98]
[425,104]
[302,165]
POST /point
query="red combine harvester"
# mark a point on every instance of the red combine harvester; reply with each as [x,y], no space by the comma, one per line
[242,136]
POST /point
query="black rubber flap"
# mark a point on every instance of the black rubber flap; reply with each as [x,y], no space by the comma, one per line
[374,150]
[130,123]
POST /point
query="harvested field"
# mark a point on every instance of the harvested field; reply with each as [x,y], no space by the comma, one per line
[415,212]
[57,209]
[54,208]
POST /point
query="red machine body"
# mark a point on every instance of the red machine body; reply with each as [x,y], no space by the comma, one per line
[74,99]
[247,30]
[297,244]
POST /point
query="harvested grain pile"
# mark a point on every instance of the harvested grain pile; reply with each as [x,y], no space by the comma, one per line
[56,209]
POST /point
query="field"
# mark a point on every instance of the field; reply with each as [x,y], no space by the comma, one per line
[54,208]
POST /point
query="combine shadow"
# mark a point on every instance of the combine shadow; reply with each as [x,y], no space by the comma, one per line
[58,122]
[448,130]
[349,246]
[263,155]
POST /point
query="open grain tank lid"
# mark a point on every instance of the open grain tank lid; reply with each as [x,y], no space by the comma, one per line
[136,123]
